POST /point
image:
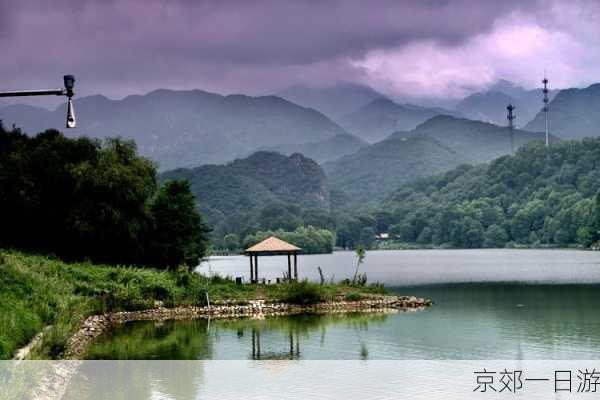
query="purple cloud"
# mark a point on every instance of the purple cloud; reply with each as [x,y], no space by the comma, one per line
[420,48]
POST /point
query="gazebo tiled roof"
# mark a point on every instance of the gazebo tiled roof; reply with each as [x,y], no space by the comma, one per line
[273,245]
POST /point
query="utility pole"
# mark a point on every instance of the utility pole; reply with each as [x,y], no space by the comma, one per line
[546,108]
[69,82]
[511,126]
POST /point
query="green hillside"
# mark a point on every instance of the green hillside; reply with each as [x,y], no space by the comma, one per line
[378,119]
[573,114]
[323,151]
[439,144]
[266,191]
[533,198]
[476,141]
[380,168]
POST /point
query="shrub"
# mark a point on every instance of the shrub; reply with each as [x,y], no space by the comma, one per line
[353,296]
[303,292]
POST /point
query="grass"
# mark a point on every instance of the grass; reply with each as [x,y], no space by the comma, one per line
[38,291]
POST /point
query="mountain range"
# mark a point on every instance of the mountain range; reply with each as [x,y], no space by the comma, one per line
[490,105]
[440,143]
[574,114]
[382,116]
[186,128]
[334,101]
[325,150]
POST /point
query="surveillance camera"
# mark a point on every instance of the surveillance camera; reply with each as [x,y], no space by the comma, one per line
[69,84]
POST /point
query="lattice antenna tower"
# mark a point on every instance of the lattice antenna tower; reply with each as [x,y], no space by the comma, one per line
[511,125]
[546,108]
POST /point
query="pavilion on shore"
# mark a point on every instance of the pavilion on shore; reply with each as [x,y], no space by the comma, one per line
[273,246]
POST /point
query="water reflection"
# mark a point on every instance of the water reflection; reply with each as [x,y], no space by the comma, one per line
[271,338]
[467,321]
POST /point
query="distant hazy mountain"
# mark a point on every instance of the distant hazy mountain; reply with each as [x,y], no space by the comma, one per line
[574,114]
[378,119]
[380,168]
[186,128]
[436,145]
[326,150]
[334,101]
[251,183]
[476,141]
[490,106]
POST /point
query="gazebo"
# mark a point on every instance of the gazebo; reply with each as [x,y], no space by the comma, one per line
[272,246]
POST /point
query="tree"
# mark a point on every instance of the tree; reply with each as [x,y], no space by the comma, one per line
[179,236]
[231,241]
[367,237]
[495,237]
[584,236]
[361,253]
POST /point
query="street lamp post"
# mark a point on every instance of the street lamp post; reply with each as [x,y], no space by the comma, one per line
[69,82]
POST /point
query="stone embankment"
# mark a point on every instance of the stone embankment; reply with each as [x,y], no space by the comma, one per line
[95,325]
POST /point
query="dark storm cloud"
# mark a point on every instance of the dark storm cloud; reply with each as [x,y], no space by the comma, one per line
[117,47]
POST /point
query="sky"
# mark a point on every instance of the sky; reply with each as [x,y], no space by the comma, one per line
[443,49]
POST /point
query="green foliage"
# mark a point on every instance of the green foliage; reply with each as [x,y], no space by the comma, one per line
[83,199]
[38,291]
[180,235]
[438,144]
[263,192]
[303,292]
[310,239]
[361,253]
[353,296]
[537,197]
[231,242]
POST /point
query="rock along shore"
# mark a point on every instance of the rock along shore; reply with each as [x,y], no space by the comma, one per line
[95,325]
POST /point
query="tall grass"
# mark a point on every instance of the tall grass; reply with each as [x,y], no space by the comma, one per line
[38,291]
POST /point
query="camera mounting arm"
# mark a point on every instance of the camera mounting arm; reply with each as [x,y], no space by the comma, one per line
[69,81]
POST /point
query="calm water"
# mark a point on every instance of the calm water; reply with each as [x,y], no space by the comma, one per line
[489,304]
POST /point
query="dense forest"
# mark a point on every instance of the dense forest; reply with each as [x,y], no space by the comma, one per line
[264,192]
[537,197]
[437,145]
[86,199]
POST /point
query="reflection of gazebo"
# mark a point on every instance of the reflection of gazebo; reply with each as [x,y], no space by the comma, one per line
[292,354]
[272,246]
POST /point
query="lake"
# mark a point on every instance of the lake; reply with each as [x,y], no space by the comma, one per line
[489,304]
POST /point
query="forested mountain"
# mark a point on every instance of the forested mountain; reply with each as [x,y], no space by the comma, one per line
[378,119]
[573,114]
[326,150]
[535,197]
[333,101]
[490,105]
[378,169]
[186,128]
[475,141]
[264,191]
[439,144]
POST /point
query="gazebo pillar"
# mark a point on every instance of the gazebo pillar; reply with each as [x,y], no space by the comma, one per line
[289,256]
[296,266]
[256,268]
[251,268]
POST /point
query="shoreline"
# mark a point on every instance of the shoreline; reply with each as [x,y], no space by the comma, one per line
[96,325]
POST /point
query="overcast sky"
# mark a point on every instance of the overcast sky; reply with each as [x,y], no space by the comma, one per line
[420,48]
